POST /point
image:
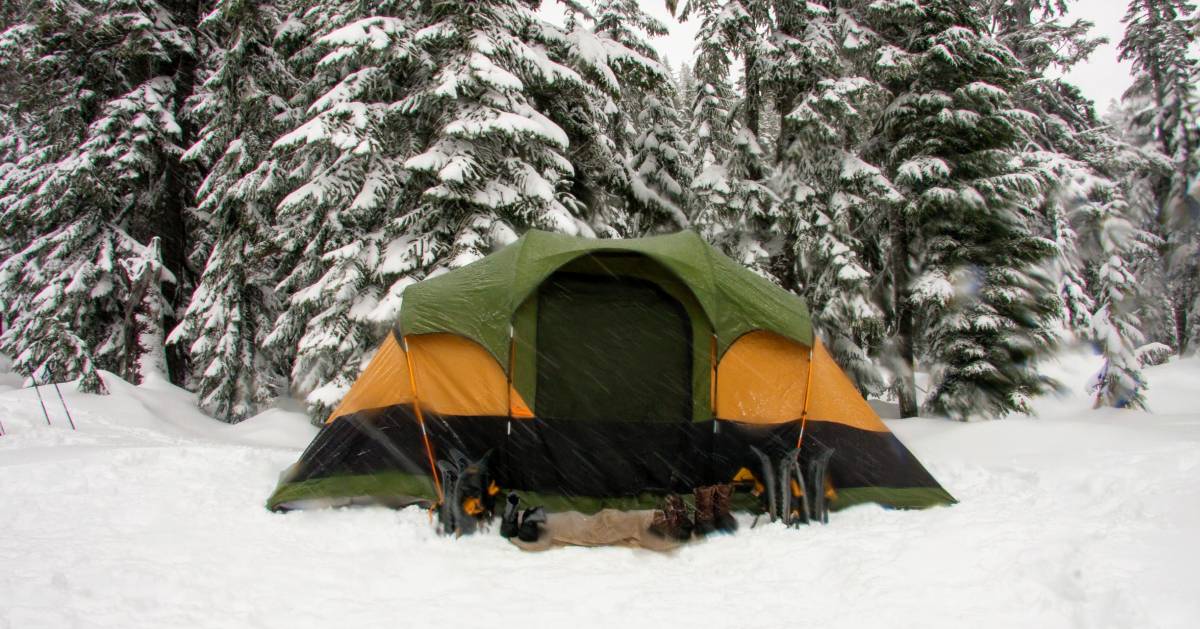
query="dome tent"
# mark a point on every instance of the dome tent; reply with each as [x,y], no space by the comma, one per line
[599,374]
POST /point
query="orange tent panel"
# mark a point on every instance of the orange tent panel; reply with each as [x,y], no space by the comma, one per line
[383,383]
[835,398]
[457,376]
[761,379]
[517,408]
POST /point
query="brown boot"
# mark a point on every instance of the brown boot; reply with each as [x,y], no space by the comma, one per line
[672,522]
[722,517]
[704,510]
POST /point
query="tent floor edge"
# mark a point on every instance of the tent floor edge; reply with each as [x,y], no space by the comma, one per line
[395,489]
[892,497]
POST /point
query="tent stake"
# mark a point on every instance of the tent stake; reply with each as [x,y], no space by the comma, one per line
[60,399]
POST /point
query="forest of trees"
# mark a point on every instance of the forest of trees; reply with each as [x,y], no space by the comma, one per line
[233,194]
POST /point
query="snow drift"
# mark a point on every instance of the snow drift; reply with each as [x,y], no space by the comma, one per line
[151,514]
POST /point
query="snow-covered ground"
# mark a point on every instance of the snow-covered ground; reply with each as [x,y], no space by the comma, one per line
[151,515]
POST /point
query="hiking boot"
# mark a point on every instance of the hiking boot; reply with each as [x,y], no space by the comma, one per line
[672,521]
[723,519]
[704,510]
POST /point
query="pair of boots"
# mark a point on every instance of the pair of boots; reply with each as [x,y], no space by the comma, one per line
[712,514]
[713,509]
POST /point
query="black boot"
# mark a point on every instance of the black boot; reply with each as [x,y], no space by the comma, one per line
[533,517]
[508,522]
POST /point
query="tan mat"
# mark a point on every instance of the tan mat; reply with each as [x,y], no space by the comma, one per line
[609,527]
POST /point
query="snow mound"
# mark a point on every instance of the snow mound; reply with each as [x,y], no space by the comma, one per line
[151,514]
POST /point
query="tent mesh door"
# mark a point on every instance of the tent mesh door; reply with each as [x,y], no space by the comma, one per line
[612,349]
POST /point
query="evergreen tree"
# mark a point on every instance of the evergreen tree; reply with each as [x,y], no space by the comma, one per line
[685,89]
[243,102]
[106,84]
[344,174]
[648,125]
[1163,104]
[736,209]
[659,169]
[1085,208]
[433,138]
[834,199]
[710,137]
[965,248]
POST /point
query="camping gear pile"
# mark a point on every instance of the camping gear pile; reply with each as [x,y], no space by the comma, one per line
[599,383]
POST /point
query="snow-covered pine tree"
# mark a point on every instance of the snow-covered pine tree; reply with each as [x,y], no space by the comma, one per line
[1085,209]
[659,169]
[710,137]
[432,140]
[953,143]
[739,213]
[1113,245]
[101,177]
[685,88]
[1164,109]
[243,103]
[345,174]
[834,199]
[657,165]
[735,208]
[494,157]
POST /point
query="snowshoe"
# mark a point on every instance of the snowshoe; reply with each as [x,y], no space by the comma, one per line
[818,470]
[447,520]
[468,496]
[792,495]
[768,481]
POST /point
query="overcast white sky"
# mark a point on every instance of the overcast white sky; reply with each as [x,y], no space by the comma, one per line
[1101,77]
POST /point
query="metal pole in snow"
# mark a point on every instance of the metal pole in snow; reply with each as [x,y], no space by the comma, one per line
[60,399]
[39,394]
[1,429]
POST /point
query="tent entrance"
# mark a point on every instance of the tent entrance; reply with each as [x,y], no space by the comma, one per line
[612,348]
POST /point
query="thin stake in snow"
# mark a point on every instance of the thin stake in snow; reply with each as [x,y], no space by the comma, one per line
[61,399]
[39,395]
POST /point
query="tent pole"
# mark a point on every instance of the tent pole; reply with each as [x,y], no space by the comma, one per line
[712,378]
[412,381]
[807,391]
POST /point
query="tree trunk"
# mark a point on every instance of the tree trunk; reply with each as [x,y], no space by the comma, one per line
[1186,295]
[753,108]
[132,354]
[906,388]
[177,197]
